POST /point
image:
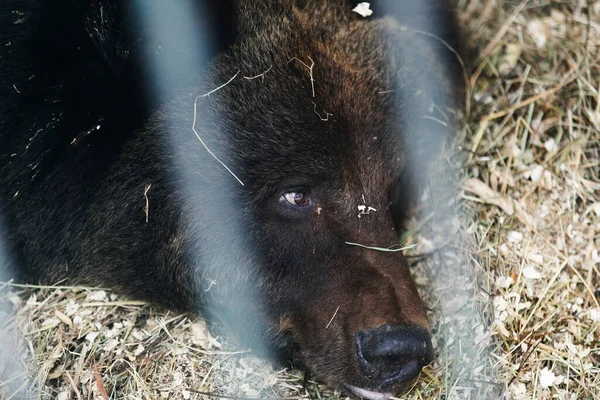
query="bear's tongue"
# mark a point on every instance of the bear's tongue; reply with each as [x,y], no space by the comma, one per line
[369,394]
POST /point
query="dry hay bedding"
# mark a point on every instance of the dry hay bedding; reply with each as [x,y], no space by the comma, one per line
[510,274]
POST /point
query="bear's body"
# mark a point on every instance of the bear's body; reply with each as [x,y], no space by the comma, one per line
[105,180]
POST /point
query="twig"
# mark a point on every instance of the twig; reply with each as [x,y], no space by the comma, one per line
[428,254]
[327,115]
[523,361]
[147,206]
[220,87]
[310,70]
[73,385]
[211,283]
[259,75]
[222,396]
[570,77]
[29,286]
[439,121]
[334,314]
[100,385]
[122,303]
[198,136]
[412,246]
[502,31]
[542,297]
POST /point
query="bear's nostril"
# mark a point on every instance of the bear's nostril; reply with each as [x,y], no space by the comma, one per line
[393,354]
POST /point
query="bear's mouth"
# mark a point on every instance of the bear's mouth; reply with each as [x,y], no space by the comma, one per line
[369,394]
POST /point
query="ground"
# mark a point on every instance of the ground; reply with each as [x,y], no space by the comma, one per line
[509,266]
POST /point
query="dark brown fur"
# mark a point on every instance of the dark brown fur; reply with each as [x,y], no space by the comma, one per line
[283,277]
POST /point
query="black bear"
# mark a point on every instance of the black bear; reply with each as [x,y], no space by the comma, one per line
[246,159]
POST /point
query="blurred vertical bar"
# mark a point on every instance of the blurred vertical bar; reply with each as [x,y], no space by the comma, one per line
[14,382]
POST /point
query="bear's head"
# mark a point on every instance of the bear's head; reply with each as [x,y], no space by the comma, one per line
[308,128]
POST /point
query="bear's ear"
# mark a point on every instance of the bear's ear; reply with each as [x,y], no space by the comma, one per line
[420,15]
[425,41]
[438,18]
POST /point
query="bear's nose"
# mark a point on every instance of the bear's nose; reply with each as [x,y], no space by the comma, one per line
[393,354]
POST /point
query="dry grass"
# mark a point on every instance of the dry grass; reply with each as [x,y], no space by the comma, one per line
[510,271]
[532,185]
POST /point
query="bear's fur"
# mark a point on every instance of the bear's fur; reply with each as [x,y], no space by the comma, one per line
[105,179]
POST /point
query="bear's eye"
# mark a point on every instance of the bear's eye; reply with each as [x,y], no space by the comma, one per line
[297,199]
